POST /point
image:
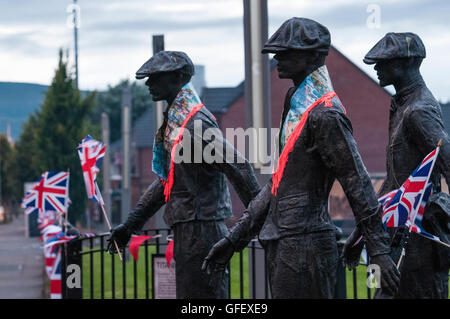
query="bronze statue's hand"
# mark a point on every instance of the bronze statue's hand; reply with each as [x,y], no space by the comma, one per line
[218,257]
[121,235]
[351,252]
[390,277]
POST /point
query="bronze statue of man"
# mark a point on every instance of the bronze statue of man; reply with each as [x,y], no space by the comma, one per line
[316,146]
[194,189]
[415,128]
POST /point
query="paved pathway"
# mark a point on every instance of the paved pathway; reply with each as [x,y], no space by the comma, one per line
[21,263]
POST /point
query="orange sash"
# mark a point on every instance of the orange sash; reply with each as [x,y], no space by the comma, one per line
[171,176]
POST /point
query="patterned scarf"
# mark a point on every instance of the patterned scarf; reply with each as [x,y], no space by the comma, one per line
[166,136]
[313,87]
[314,90]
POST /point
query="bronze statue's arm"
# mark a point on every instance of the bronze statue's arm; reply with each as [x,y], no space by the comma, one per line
[240,235]
[334,142]
[226,159]
[252,220]
[146,207]
[239,172]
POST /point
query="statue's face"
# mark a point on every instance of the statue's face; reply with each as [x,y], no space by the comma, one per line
[389,71]
[163,85]
[292,62]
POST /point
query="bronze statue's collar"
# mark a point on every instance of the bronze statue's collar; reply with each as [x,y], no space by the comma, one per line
[402,95]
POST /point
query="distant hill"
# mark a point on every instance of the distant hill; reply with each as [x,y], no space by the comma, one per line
[17,101]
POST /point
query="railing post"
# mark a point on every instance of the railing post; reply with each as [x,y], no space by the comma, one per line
[257,271]
[71,268]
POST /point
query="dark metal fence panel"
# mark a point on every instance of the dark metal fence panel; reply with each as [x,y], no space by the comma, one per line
[102,270]
[70,256]
[138,277]
[258,275]
[91,266]
[124,274]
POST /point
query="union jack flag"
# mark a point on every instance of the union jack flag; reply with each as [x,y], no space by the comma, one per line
[29,203]
[57,239]
[417,225]
[50,193]
[406,205]
[49,231]
[50,257]
[50,254]
[91,153]
[47,218]
[55,277]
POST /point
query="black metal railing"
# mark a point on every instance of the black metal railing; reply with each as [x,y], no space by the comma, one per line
[100,270]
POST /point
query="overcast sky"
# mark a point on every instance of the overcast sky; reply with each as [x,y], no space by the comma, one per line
[115,36]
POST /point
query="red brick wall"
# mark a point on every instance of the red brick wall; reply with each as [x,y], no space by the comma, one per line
[367,107]
[145,175]
[235,116]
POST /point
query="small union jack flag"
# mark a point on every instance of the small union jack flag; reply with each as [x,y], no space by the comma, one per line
[55,276]
[417,225]
[91,153]
[50,256]
[49,252]
[406,205]
[50,193]
[58,238]
[47,217]
[29,202]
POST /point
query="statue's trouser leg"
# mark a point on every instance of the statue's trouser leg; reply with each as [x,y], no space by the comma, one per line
[303,266]
[193,240]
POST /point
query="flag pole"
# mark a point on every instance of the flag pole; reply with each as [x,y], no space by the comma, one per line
[419,203]
[102,205]
[67,201]
[436,241]
[96,190]
[109,226]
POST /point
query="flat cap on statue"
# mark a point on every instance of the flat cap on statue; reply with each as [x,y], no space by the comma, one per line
[396,45]
[299,34]
[166,61]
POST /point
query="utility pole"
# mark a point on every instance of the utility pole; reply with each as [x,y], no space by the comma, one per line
[257,106]
[1,155]
[106,167]
[158,45]
[75,36]
[1,190]
[257,75]
[126,163]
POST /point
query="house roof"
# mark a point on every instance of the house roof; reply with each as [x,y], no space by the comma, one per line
[218,99]
[144,129]
[360,69]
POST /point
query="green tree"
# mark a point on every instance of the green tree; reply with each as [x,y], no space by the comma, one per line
[51,135]
[22,166]
[5,155]
[110,102]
